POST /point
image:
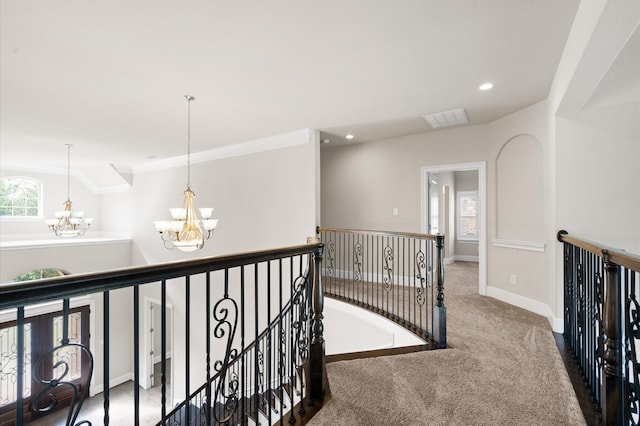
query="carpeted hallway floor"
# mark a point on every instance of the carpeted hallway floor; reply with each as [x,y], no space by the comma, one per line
[502,368]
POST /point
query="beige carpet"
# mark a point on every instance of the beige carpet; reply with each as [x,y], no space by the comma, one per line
[502,368]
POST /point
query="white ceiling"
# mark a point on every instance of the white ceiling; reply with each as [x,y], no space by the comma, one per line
[109,77]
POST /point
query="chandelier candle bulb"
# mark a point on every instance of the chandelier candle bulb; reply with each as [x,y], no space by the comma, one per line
[186,232]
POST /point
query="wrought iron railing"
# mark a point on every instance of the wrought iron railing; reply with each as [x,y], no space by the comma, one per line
[259,325]
[602,324]
[397,275]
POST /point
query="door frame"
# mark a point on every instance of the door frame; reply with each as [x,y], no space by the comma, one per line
[146,358]
[481,167]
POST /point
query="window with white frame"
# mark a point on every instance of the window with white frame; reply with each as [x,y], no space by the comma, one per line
[467,215]
[20,197]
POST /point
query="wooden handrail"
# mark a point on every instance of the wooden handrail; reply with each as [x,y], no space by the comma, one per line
[432,237]
[42,290]
[617,256]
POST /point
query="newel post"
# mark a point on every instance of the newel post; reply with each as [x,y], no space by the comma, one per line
[612,407]
[317,373]
[440,310]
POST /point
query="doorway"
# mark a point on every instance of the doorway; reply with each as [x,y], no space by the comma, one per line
[443,214]
[152,346]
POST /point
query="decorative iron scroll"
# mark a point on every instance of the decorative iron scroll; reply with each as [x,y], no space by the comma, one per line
[357,261]
[421,265]
[227,387]
[62,354]
[599,287]
[282,360]
[632,333]
[300,324]
[331,258]
[580,298]
[387,280]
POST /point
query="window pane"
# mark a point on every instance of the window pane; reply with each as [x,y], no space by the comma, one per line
[9,364]
[20,196]
[70,356]
[467,215]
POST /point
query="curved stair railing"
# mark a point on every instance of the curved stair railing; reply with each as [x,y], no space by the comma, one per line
[602,324]
[266,382]
[251,326]
[397,275]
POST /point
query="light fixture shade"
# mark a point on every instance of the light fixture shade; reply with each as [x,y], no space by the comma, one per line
[209,224]
[206,212]
[178,213]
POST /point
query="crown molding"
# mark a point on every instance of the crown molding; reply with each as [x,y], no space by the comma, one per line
[299,137]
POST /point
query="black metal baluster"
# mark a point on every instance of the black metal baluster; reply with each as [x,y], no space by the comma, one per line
[256,331]
[20,367]
[136,355]
[269,384]
[292,371]
[243,363]
[106,339]
[281,339]
[163,348]
[379,272]
[370,270]
[187,349]
[303,329]
[210,403]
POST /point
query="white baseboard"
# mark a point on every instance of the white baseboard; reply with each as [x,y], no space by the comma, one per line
[112,383]
[557,324]
[463,258]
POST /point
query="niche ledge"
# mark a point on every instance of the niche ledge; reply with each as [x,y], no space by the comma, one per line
[520,245]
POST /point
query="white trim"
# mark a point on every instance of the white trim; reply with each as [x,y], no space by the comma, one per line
[78,174]
[112,383]
[147,323]
[286,140]
[528,304]
[481,167]
[39,241]
[465,258]
[519,245]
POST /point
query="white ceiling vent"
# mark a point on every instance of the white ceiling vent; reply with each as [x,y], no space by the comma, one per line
[447,118]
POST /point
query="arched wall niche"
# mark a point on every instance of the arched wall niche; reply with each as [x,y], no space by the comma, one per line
[520,190]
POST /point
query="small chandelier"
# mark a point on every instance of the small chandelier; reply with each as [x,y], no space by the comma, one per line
[69,223]
[185,232]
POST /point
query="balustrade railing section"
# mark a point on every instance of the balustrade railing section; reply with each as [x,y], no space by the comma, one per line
[602,324]
[247,341]
[397,275]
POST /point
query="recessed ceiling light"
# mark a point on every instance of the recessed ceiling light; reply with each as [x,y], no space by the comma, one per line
[486,86]
[326,140]
[349,136]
